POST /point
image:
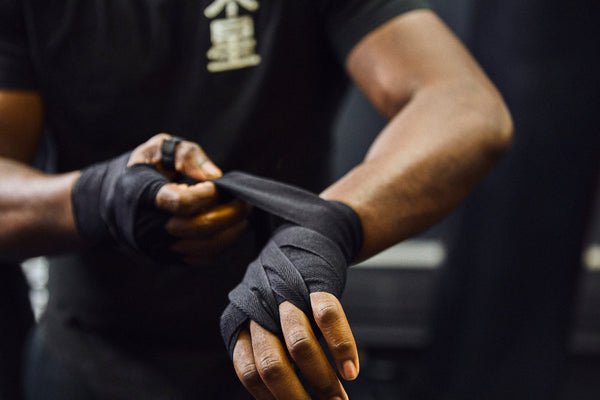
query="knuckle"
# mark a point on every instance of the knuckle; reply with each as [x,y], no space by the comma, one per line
[170,200]
[341,346]
[156,139]
[160,136]
[188,150]
[149,151]
[326,312]
[184,201]
[185,148]
[155,142]
[270,367]
[209,191]
[175,201]
[298,342]
[248,374]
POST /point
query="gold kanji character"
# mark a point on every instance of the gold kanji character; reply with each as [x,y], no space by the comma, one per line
[231,7]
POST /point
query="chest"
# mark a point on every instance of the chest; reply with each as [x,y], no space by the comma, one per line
[90,40]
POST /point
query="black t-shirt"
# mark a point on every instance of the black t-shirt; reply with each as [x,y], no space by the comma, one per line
[255,82]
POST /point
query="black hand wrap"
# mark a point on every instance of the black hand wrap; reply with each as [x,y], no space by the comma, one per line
[112,201]
[309,254]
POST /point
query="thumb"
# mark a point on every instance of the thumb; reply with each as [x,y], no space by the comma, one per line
[193,162]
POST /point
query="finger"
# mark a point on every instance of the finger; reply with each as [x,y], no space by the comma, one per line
[199,251]
[182,199]
[332,322]
[307,353]
[192,161]
[245,368]
[149,151]
[209,222]
[190,158]
[273,365]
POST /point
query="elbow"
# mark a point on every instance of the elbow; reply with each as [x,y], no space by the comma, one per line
[495,124]
[500,128]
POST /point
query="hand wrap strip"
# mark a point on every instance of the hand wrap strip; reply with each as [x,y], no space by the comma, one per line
[112,201]
[310,254]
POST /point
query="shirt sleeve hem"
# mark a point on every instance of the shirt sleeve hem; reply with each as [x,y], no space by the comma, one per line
[354,31]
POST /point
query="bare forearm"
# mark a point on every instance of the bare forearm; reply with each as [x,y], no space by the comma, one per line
[36,212]
[430,155]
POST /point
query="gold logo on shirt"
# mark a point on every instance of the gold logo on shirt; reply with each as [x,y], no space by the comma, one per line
[232,37]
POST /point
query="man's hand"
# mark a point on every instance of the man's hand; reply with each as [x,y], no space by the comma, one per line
[145,210]
[263,367]
[291,287]
[205,228]
[208,233]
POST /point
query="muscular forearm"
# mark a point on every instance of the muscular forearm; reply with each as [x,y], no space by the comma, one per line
[430,155]
[36,212]
[448,126]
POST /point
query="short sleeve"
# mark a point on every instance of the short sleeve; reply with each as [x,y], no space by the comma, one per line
[348,21]
[16,71]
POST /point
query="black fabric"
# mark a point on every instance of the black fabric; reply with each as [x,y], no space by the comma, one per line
[16,69]
[348,21]
[310,255]
[112,201]
[294,263]
[49,379]
[109,372]
[333,219]
[16,319]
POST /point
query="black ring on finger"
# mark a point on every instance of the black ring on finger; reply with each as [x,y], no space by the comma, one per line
[167,153]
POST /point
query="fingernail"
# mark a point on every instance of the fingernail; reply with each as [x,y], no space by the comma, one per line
[349,370]
[211,170]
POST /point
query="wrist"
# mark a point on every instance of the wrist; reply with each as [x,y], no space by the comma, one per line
[346,227]
[94,184]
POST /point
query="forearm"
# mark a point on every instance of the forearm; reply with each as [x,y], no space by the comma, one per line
[425,161]
[36,211]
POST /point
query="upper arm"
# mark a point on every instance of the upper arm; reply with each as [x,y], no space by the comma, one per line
[410,52]
[21,120]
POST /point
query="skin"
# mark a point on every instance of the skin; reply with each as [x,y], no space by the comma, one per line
[447,127]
